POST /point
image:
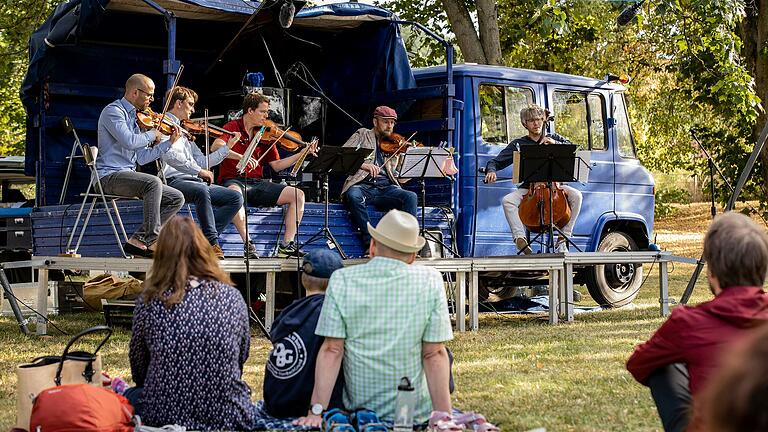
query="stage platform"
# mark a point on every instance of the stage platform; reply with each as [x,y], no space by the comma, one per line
[462,281]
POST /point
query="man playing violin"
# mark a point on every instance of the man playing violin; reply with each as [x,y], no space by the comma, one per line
[261,192]
[375,182]
[187,170]
[121,145]
[533,118]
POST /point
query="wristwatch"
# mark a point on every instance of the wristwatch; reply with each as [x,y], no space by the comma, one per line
[316,409]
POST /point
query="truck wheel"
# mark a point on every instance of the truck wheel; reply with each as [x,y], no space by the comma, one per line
[615,285]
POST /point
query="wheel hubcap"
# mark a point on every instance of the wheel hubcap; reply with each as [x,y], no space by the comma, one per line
[619,275]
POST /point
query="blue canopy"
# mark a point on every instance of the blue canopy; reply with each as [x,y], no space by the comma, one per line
[81,56]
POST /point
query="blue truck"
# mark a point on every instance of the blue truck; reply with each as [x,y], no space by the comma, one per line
[346,58]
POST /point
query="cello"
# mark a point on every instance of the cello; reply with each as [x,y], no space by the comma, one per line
[544,203]
[534,209]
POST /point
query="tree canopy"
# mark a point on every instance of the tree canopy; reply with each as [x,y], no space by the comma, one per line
[693,63]
[18,19]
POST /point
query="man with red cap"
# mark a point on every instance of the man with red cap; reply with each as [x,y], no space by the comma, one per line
[375,182]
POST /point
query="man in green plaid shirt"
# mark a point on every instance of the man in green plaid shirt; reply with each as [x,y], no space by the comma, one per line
[386,319]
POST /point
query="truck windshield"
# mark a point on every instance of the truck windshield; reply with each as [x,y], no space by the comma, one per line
[626,144]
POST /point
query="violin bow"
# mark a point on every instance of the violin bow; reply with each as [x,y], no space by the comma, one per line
[403,143]
[269,149]
[168,99]
[207,145]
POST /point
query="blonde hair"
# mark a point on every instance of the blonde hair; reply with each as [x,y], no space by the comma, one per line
[532,111]
[182,251]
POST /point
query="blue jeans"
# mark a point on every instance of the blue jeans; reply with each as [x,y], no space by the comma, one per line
[383,198]
[215,205]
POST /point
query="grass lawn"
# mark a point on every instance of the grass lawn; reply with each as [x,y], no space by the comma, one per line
[519,371]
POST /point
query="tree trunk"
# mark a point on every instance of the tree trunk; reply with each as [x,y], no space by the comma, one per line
[754,36]
[488,22]
[466,36]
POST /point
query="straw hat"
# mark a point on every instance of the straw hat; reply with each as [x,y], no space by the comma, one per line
[398,230]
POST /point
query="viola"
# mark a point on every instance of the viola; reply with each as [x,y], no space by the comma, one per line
[149,119]
[395,143]
[197,127]
[534,210]
[289,140]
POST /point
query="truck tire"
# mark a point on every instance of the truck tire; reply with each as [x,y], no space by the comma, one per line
[615,285]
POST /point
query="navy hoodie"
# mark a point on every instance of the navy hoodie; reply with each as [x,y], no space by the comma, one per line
[290,371]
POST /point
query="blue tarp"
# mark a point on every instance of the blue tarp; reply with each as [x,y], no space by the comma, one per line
[86,49]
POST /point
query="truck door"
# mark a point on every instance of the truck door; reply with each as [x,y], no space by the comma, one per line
[580,116]
[497,122]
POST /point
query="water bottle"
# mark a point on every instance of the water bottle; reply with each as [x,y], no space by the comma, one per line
[405,404]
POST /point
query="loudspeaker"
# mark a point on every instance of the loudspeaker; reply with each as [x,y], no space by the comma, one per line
[433,248]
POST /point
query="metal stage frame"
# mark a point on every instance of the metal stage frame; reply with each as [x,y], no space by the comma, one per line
[465,285]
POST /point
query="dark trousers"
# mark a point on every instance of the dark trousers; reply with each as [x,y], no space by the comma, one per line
[671,393]
[133,394]
[383,198]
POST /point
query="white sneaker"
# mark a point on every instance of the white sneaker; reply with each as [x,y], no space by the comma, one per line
[561,246]
[522,245]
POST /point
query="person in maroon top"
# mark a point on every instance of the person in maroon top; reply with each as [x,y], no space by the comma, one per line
[679,359]
[261,192]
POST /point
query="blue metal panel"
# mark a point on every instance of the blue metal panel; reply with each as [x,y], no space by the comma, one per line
[52,225]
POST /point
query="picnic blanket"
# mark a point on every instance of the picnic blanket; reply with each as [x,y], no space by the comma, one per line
[265,421]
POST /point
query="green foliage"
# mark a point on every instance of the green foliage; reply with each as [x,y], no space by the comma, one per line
[423,50]
[685,57]
[18,18]
[668,196]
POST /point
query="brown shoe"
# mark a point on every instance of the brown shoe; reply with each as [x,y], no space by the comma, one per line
[218,252]
[522,245]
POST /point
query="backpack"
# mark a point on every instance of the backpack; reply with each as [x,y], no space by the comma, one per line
[80,407]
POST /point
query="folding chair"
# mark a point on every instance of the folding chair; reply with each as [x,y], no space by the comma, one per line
[94,193]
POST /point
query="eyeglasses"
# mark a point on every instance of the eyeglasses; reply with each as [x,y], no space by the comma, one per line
[149,95]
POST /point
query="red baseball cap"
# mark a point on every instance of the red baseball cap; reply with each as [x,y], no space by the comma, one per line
[385,112]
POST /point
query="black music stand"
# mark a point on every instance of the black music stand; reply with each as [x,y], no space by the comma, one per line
[549,164]
[334,160]
[420,163]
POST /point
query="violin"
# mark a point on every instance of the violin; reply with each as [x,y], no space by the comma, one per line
[395,143]
[288,140]
[197,127]
[149,119]
[534,210]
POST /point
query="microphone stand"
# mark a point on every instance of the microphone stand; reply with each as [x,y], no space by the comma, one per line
[316,88]
[251,313]
[712,166]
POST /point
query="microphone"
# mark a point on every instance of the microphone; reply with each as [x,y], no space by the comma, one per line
[629,13]
[293,70]
[286,14]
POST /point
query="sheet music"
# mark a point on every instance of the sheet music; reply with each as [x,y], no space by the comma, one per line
[582,166]
[412,164]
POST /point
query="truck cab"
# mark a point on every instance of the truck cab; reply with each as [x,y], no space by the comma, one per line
[618,199]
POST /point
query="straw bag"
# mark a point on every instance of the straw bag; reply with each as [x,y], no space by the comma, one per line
[77,367]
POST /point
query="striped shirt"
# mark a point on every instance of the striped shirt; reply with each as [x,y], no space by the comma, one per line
[384,310]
